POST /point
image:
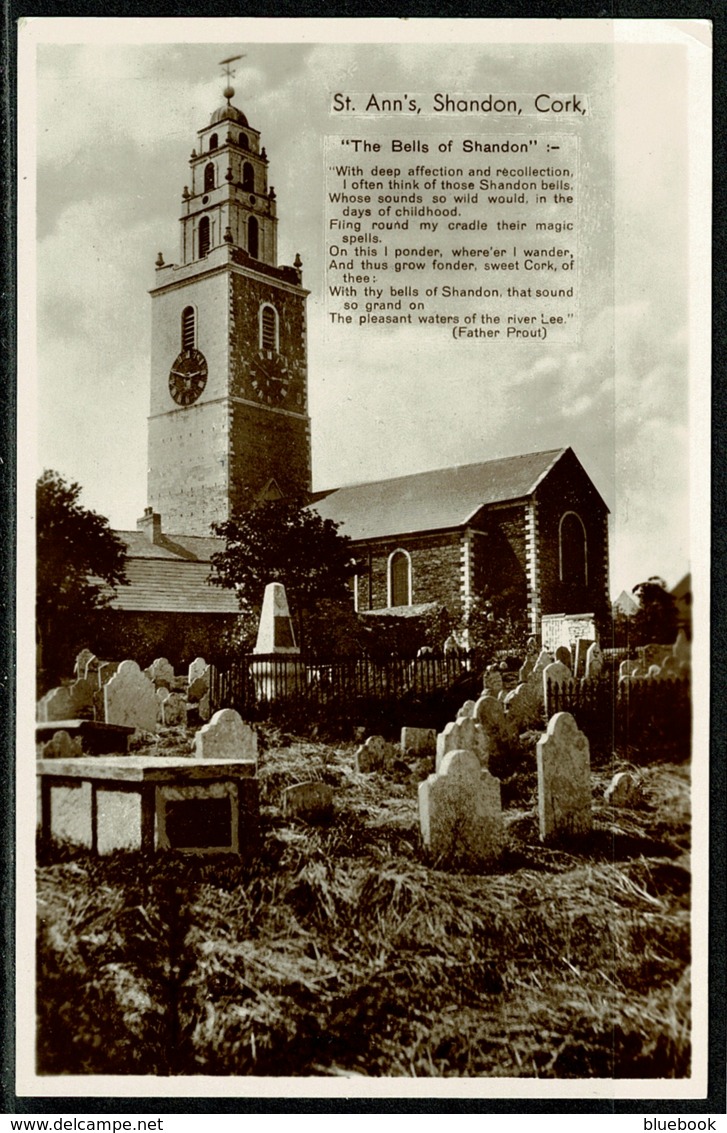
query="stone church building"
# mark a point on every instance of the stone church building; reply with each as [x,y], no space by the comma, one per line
[229,425]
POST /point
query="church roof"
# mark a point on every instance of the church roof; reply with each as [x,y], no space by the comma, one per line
[191,548]
[433,501]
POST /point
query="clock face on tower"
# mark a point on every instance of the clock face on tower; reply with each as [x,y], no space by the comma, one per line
[188,376]
[270,376]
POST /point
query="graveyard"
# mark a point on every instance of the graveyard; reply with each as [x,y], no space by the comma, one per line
[500,896]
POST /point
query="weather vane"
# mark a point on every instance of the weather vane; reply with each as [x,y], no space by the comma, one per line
[229,89]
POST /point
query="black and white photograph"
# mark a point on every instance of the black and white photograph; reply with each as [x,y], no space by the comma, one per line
[363,613]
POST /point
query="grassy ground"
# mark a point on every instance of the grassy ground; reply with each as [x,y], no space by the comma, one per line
[342,951]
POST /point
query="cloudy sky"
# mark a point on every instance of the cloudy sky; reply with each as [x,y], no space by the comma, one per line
[109,125]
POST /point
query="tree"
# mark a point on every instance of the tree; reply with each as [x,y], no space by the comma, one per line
[283,541]
[656,620]
[80,560]
[496,623]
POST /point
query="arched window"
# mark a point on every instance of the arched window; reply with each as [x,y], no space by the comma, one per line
[209,177]
[268,328]
[214,142]
[399,579]
[189,336]
[243,142]
[573,550]
[248,178]
[204,236]
[252,237]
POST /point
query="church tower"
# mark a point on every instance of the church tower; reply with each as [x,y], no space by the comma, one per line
[228,419]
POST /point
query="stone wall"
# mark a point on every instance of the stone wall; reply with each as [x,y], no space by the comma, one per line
[436,570]
[178,637]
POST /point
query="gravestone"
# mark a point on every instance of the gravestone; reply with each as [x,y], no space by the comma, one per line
[490,715]
[199,687]
[196,669]
[563,655]
[460,814]
[523,708]
[531,656]
[492,681]
[466,710]
[594,661]
[312,802]
[654,672]
[467,735]
[82,661]
[56,705]
[130,699]
[626,668]
[564,779]
[106,670]
[623,790]
[419,741]
[582,646]
[81,693]
[61,746]
[226,736]
[161,673]
[557,675]
[374,755]
[174,710]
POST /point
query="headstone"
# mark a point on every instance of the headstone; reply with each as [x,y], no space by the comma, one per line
[226,736]
[583,644]
[106,671]
[670,666]
[174,710]
[536,677]
[199,687]
[492,681]
[419,741]
[466,710]
[467,735]
[555,676]
[625,668]
[681,649]
[203,707]
[56,705]
[82,662]
[460,813]
[130,699]
[594,661]
[196,669]
[490,715]
[310,801]
[161,673]
[82,704]
[275,632]
[654,672]
[61,746]
[374,755]
[523,708]
[564,779]
[623,790]
[563,655]
[531,656]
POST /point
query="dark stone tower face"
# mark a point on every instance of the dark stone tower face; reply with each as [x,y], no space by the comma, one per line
[228,417]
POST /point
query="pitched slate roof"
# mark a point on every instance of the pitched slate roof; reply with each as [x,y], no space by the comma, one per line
[433,501]
[171,576]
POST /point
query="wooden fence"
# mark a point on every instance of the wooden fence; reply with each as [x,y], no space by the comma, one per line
[645,716]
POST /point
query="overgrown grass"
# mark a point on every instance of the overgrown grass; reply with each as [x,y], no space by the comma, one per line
[343,951]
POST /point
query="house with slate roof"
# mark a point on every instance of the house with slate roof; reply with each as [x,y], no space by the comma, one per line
[168,609]
[532,523]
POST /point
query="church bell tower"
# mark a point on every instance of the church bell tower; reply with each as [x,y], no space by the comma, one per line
[228,420]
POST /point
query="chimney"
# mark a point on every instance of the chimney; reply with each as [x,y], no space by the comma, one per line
[151,524]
